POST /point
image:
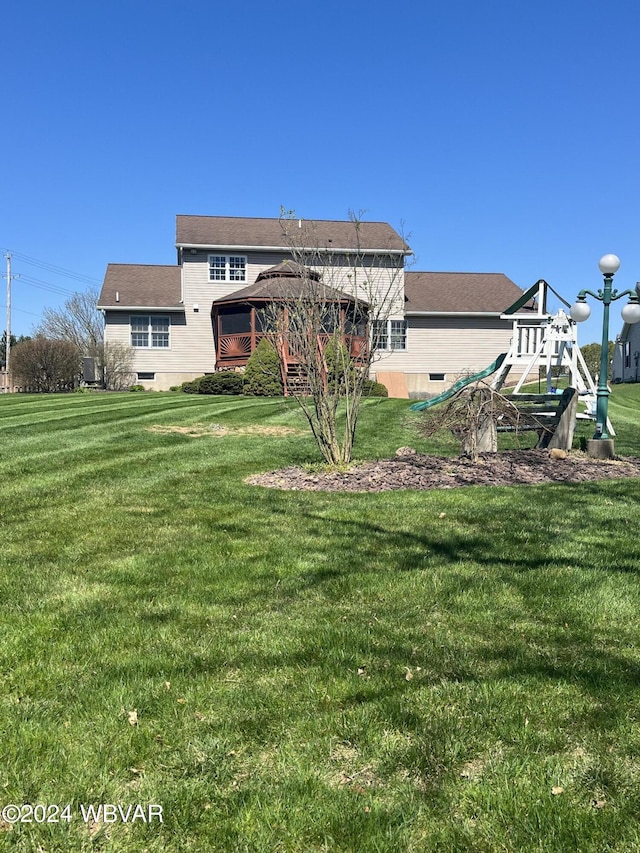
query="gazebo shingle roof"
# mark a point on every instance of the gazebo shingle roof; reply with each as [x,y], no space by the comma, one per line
[286,280]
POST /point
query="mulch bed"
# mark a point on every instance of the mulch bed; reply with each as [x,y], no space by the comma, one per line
[418,471]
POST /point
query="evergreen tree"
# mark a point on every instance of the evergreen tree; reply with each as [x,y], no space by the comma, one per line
[3,346]
[262,375]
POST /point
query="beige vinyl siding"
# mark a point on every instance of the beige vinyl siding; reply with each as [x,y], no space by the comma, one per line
[190,341]
[375,280]
[449,345]
[196,286]
[628,344]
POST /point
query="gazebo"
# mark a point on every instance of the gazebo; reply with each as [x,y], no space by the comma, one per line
[241,319]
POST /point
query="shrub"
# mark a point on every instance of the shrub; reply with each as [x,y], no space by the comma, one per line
[136,388]
[340,368]
[41,364]
[262,377]
[192,386]
[115,360]
[371,388]
[225,382]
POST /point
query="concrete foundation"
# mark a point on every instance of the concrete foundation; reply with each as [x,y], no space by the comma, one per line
[600,448]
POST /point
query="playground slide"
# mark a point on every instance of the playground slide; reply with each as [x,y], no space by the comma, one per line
[467,380]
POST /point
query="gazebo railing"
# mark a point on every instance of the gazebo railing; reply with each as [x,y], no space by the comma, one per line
[234,350]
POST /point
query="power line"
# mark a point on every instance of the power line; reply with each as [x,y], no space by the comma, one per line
[21,311]
[45,285]
[27,259]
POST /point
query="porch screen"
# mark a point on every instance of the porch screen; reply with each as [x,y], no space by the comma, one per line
[236,321]
[356,321]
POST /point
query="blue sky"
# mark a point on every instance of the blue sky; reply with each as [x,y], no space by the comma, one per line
[503,136]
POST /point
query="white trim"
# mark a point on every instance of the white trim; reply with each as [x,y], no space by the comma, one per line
[141,308]
[150,332]
[227,269]
[388,335]
[533,318]
[409,313]
[207,247]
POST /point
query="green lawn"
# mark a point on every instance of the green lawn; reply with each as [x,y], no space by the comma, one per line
[293,671]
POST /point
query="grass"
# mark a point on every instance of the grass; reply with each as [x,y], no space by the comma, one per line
[286,671]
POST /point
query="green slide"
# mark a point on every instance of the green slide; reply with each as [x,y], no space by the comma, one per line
[467,380]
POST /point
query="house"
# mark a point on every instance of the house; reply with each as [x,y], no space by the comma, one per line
[626,354]
[203,314]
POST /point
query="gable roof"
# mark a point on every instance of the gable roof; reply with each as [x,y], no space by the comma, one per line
[458,292]
[141,286]
[235,232]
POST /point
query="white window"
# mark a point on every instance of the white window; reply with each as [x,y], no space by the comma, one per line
[380,336]
[227,268]
[398,334]
[390,334]
[149,331]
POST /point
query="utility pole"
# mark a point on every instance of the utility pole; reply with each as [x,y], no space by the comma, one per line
[7,349]
[8,345]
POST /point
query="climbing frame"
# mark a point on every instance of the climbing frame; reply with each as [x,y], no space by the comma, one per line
[550,340]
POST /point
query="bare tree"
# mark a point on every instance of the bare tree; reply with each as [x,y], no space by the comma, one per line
[323,326]
[116,359]
[81,323]
[78,321]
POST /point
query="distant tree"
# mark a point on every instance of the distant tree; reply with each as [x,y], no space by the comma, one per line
[40,364]
[591,354]
[3,346]
[78,321]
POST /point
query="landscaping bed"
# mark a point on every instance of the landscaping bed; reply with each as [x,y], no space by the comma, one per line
[420,471]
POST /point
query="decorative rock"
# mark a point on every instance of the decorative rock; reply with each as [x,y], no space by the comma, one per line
[557,453]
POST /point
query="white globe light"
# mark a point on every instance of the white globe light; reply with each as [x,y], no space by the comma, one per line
[609,264]
[631,312]
[580,311]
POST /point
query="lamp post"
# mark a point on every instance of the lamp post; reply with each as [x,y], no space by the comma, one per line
[602,445]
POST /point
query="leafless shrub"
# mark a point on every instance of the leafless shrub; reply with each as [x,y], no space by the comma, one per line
[473,414]
[116,359]
[324,325]
[41,364]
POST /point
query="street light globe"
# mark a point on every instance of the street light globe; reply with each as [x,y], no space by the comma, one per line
[631,312]
[609,264]
[580,312]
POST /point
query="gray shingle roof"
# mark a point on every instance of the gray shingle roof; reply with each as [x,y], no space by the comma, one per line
[244,232]
[464,292]
[141,286]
